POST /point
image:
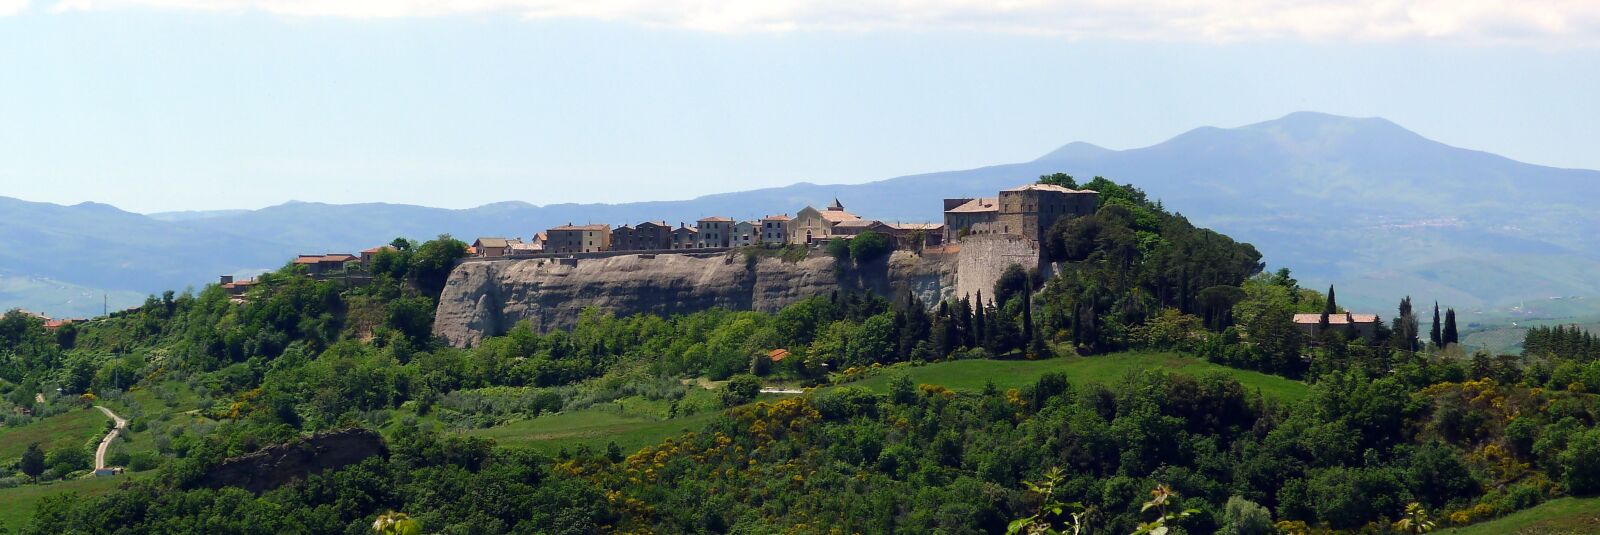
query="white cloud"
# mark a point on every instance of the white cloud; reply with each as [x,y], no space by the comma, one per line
[1467,21]
[12,7]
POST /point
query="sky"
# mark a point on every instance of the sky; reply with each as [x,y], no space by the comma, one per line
[162,105]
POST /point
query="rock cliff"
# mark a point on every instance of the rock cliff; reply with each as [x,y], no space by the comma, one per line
[277,465]
[485,298]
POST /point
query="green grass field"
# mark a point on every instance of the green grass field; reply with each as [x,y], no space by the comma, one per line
[73,428]
[1565,516]
[594,427]
[974,374]
[17,503]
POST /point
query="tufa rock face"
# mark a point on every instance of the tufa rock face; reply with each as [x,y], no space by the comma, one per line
[275,466]
[487,298]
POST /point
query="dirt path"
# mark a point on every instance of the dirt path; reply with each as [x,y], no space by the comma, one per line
[100,452]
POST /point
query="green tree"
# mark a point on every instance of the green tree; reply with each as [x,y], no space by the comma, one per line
[32,462]
[869,246]
[1059,179]
[433,261]
[1580,463]
[1437,337]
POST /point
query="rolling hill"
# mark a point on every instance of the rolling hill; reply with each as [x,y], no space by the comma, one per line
[1358,202]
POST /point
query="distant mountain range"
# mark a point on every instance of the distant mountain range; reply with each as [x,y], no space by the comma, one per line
[1358,202]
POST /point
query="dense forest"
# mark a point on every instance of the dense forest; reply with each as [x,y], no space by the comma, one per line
[1398,430]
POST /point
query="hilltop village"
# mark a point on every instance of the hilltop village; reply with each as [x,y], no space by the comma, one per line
[1024,211]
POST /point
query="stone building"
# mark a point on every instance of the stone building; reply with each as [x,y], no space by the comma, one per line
[652,235]
[1030,210]
[684,237]
[969,216]
[746,233]
[570,238]
[1365,325]
[775,229]
[714,232]
[1026,211]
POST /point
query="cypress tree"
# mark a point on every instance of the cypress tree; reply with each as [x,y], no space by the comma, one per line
[980,331]
[1450,335]
[1437,337]
[1027,312]
[1332,306]
[963,321]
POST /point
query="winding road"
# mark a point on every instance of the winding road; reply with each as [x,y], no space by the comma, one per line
[100,452]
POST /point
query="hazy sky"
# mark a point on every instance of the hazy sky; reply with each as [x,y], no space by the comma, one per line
[157,105]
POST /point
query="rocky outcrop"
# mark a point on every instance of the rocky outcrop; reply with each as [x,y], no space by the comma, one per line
[486,298]
[275,466]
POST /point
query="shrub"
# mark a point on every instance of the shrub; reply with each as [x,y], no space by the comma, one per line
[739,390]
[1244,517]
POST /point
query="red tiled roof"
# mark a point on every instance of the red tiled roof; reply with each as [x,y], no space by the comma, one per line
[777,355]
[779,217]
[378,248]
[595,226]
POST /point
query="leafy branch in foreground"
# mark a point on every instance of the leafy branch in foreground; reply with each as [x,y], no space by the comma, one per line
[1159,500]
[1039,523]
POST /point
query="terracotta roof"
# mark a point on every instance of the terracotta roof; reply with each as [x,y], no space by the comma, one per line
[1048,187]
[378,248]
[491,242]
[472,250]
[318,258]
[916,226]
[862,223]
[542,236]
[779,217]
[656,223]
[836,216]
[686,229]
[777,355]
[1334,319]
[990,204]
[716,219]
[570,226]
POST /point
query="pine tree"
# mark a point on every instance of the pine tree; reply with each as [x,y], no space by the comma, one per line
[1450,335]
[1437,337]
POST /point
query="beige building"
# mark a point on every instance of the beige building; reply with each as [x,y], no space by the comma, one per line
[571,238]
[811,224]
[491,247]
